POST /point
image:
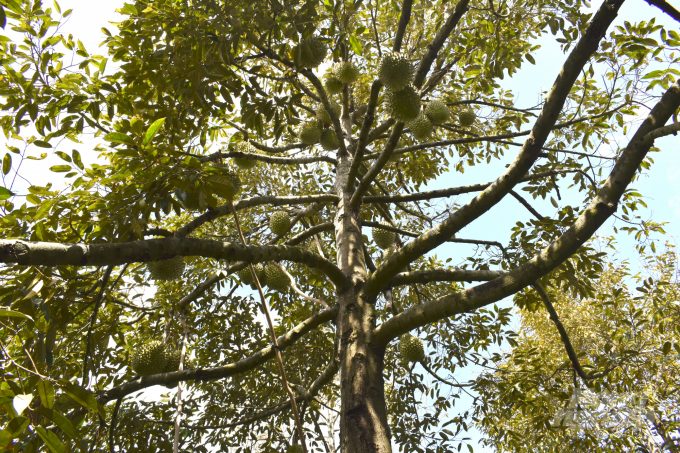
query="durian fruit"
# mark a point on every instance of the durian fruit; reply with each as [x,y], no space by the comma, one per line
[346,72]
[247,278]
[165,270]
[329,140]
[150,358]
[467,118]
[310,132]
[173,356]
[230,183]
[421,127]
[295,448]
[312,52]
[403,105]
[279,222]
[276,278]
[246,164]
[437,111]
[384,238]
[411,348]
[395,71]
[323,116]
[190,201]
[332,84]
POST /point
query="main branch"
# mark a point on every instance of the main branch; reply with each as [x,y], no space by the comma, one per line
[208,374]
[599,210]
[576,60]
[54,254]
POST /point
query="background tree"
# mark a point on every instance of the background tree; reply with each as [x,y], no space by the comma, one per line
[213,119]
[629,335]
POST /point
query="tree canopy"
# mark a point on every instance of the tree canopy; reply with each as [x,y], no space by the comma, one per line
[256,232]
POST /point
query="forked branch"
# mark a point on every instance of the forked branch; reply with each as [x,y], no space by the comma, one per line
[519,168]
[600,209]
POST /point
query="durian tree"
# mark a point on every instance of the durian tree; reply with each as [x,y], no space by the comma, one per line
[254,200]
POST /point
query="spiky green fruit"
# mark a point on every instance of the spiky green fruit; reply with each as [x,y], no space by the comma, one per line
[323,116]
[411,348]
[279,222]
[173,358]
[276,278]
[467,118]
[329,140]
[241,162]
[297,448]
[312,52]
[165,270]
[403,105]
[332,84]
[395,71]
[346,72]
[247,278]
[437,111]
[190,201]
[421,127]
[384,238]
[310,132]
[150,358]
[227,185]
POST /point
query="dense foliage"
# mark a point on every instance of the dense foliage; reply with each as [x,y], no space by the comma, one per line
[208,118]
[630,329]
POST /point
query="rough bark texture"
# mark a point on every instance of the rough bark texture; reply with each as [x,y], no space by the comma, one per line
[363,423]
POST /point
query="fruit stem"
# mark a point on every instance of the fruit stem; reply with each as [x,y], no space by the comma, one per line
[272,333]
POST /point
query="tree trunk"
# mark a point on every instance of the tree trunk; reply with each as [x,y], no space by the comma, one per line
[363,422]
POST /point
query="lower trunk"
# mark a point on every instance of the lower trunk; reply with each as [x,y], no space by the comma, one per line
[363,422]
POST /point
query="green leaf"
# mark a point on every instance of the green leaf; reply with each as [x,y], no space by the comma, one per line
[17,425]
[21,402]
[119,137]
[60,168]
[13,314]
[42,144]
[51,440]
[5,438]
[82,397]
[46,393]
[102,65]
[356,45]
[667,347]
[6,164]
[62,422]
[76,159]
[33,199]
[64,156]
[5,194]
[3,17]
[128,9]
[153,130]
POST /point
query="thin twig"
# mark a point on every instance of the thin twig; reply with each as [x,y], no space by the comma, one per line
[297,290]
[180,384]
[272,332]
[93,320]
